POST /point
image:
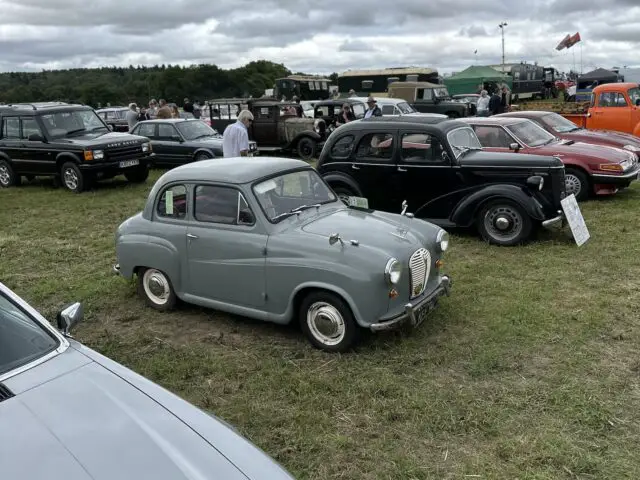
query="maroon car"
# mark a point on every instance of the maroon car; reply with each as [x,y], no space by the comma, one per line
[563,128]
[590,168]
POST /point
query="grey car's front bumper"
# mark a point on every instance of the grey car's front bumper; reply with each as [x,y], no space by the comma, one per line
[414,312]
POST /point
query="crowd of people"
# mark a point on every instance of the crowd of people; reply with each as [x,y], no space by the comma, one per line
[495,104]
[161,110]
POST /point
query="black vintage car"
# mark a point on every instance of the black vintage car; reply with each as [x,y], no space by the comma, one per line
[68,142]
[438,168]
[177,141]
[115,117]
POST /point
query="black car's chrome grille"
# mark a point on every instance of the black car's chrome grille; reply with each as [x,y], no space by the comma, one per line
[5,393]
[419,268]
[128,152]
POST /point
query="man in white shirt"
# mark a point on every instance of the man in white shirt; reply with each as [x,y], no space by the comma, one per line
[483,104]
[235,139]
[374,109]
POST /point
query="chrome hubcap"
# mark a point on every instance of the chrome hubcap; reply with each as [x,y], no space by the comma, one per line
[70,179]
[156,286]
[573,184]
[5,177]
[325,323]
[503,222]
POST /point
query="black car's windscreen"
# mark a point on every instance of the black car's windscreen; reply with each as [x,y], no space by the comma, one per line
[22,339]
[283,194]
[61,124]
[558,123]
[195,129]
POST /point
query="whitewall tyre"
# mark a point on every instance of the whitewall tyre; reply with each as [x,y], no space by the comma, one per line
[328,323]
[156,289]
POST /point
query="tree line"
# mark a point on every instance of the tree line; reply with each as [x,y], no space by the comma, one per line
[120,86]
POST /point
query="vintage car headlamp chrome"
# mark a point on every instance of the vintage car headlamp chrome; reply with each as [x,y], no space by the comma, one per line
[146,147]
[393,271]
[443,240]
[536,181]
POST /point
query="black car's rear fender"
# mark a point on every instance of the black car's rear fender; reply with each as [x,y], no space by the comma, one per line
[335,179]
[465,212]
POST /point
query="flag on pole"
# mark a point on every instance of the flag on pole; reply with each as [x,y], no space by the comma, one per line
[564,42]
[475,51]
[573,40]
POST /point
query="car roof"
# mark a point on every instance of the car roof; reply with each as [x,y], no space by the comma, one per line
[42,107]
[526,114]
[386,100]
[169,120]
[340,101]
[235,170]
[493,120]
[374,123]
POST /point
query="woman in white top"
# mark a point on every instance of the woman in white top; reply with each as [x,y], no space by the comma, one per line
[483,104]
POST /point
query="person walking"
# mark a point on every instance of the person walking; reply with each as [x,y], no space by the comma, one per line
[235,138]
[164,111]
[483,104]
[132,116]
[495,103]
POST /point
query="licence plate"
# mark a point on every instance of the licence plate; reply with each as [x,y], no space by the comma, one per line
[129,163]
[422,314]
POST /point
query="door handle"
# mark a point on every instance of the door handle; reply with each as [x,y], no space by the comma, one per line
[400,169]
[191,235]
[355,167]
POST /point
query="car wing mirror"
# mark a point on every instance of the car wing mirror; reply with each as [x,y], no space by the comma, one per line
[514,146]
[69,317]
[35,137]
[110,127]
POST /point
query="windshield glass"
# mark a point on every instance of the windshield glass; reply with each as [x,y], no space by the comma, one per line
[530,134]
[282,195]
[404,107]
[22,339]
[558,123]
[634,95]
[462,139]
[440,92]
[61,124]
[193,130]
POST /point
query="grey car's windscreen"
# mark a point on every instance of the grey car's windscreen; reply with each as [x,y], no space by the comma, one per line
[22,339]
[193,130]
[286,193]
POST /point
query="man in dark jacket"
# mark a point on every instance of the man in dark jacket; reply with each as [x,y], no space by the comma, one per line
[495,103]
[187,106]
[374,109]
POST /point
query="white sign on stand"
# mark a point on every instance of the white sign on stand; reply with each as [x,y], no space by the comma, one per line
[575,220]
[359,202]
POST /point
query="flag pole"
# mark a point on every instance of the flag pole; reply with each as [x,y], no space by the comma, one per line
[580,58]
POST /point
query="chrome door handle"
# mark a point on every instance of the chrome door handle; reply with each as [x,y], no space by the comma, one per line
[191,235]
[355,167]
[400,169]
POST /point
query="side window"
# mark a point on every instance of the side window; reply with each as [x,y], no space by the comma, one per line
[612,99]
[11,128]
[30,127]
[621,101]
[377,146]
[358,110]
[264,113]
[173,202]
[493,137]
[420,147]
[342,148]
[427,94]
[166,132]
[388,110]
[146,130]
[222,205]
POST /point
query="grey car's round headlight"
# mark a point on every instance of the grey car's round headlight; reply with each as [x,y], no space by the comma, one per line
[443,240]
[393,271]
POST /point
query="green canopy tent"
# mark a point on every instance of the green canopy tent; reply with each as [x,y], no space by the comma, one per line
[469,80]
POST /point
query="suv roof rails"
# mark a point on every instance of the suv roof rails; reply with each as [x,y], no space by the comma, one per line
[36,105]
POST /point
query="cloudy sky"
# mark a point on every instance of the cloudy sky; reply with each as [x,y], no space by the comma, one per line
[315,36]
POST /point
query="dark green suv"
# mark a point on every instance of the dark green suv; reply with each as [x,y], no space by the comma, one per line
[68,142]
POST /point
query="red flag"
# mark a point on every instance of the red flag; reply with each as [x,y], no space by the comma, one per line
[574,39]
[564,42]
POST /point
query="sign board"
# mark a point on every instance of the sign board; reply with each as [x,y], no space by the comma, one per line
[359,202]
[575,220]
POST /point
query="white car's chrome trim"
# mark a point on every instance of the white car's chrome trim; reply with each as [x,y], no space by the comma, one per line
[63,344]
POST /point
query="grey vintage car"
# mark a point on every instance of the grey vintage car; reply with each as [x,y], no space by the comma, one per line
[267,238]
[67,412]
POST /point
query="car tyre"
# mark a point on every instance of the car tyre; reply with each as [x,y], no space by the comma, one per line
[306,148]
[8,177]
[156,289]
[328,323]
[72,178]
[203,156]
[137,175]
[504,222]
[577,182]
[344,193]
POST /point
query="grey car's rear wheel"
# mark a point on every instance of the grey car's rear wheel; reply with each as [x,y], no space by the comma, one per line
[327,322]
[8,177]
[504,222]
[156,289]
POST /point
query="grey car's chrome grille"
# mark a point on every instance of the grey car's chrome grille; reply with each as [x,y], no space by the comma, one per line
[5,393]
[419,268]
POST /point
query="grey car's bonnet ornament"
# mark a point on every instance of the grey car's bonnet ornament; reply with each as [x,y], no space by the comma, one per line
[405,205]
[335,238]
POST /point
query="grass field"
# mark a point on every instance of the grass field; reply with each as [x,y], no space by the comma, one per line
[530,370]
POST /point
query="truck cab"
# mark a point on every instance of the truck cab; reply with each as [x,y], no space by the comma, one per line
[615,106]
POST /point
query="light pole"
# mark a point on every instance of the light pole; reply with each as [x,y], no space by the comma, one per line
[501,27]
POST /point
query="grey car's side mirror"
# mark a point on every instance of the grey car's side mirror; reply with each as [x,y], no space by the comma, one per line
[514,146]
[69,318]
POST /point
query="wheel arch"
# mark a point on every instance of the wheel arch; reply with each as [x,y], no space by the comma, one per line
[335,178]
[302,291]
[66,157]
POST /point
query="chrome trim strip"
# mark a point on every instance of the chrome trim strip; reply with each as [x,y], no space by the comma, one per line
[41,321]
[615,177]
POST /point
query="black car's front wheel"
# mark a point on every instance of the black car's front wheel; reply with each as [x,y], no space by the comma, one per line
[8,177]
[72,178]
[137,175]
[504,222]
[327,322]
[203,156]
[344,193]
[306,148]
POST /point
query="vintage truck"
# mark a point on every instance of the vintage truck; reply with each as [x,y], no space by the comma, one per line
[428,97]
[613,106]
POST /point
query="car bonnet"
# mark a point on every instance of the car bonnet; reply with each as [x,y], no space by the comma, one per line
[90,424]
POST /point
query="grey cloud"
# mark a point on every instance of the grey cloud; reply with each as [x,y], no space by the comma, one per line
[474,31]
[355,46]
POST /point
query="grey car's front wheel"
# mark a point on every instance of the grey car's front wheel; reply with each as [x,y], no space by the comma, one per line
[327,322]
[156,289]
[504,222]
